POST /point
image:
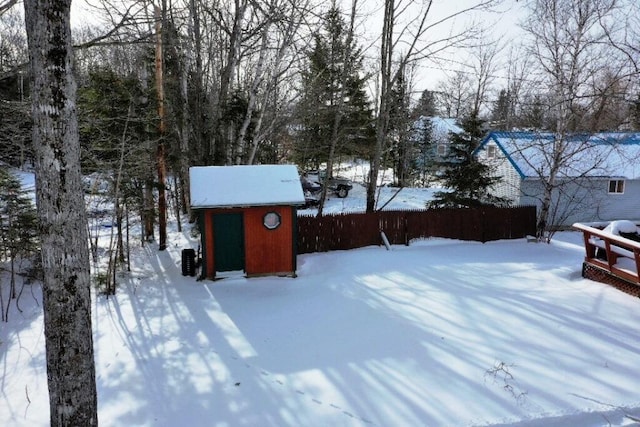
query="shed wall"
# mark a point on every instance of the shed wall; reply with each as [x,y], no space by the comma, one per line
[269,251]
[266,251]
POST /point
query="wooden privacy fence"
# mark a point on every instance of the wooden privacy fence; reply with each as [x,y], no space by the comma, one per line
[356,230]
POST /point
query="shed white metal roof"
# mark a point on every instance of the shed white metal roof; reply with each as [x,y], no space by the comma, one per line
[254,185]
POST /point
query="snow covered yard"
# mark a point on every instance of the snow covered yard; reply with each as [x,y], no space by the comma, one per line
[441,333]
[394,198]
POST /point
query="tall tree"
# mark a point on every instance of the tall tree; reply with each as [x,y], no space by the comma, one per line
[634,113]
[59,196]
[484,66]
[422,138]
[15,147]
[467,179]
[501,113]
[333,111]
[456,95]
[535,112]
[568,45]
[18,229]
[161,151]
[426,105]
[402,147]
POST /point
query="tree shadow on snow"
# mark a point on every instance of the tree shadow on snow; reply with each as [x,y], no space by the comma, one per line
[377,340]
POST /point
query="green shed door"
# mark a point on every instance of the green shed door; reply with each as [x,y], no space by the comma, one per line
[228,241]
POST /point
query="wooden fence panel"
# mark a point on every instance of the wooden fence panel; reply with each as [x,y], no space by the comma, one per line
[356,230]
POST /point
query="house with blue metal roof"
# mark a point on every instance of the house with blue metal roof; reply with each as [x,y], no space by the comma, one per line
[598,178]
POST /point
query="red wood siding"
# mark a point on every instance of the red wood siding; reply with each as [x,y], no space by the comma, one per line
[268,251]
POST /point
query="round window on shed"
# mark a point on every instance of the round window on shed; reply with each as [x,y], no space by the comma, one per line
[271,220]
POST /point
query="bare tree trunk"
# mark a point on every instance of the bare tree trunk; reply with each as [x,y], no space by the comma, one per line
[182,192]
[59,195]
[253,94]
[414,49]
[160,153]
[119,243]
[383,112]
[126,206]
[224,135]
[148,213]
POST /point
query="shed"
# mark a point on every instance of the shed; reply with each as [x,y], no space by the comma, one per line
[247,218]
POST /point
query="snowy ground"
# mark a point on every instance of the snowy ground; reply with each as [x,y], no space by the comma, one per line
[356,201]
[391,198]
[440,333]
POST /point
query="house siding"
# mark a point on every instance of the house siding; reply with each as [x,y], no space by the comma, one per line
[625,205]
[583,197]
[509,185]
[585,200]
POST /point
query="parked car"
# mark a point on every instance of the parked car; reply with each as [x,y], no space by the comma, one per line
[337,184]
[312,191]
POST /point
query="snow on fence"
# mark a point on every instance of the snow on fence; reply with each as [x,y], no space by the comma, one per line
[356,230]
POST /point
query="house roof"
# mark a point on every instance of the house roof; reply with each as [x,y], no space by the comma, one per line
[606,154]
[441,127]
[254,185]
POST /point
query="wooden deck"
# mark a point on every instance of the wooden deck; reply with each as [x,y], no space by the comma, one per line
[610,254]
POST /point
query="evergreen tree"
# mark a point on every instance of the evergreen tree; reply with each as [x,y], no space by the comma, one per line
[15,138]
[467,179]
[112,117]
[534,114]
[115,139]
[426,105]
[402,146]
[329,83]
[18,231]
[424,162]
[501,113]
[634,113]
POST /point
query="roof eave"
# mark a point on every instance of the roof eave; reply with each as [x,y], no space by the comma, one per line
[251,205]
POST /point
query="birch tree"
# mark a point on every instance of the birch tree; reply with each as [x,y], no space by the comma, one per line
[567,42]
[282,23]
[59,197]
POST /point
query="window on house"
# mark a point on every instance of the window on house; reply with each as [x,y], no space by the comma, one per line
[442,150]
[491,151]
[616,186]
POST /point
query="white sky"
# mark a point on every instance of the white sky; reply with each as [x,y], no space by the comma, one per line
[502,25]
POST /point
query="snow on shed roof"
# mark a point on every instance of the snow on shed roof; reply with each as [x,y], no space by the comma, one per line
[254,185]
[605,154]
